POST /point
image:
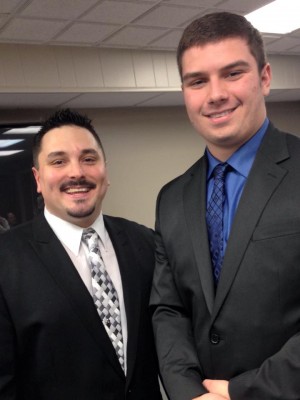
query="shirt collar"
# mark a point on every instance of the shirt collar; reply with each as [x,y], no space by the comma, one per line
[242,159]
[70,234]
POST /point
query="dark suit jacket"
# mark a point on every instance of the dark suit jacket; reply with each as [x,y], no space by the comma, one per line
[249,331]
[53,345]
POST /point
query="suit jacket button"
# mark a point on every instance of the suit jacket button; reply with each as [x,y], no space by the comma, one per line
[214,338]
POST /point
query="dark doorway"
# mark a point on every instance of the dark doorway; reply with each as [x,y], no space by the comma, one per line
[18,190]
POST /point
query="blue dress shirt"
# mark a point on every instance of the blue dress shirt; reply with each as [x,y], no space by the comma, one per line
[241,162]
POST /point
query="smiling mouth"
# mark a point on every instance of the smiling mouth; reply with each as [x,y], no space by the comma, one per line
[220,114]
[77,190]
[77,187]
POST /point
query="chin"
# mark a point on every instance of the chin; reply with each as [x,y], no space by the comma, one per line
[82,213]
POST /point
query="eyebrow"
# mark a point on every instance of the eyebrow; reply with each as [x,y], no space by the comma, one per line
[235,64]
[54,154]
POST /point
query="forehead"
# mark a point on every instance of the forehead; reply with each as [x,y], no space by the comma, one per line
[67,138]
[217,53]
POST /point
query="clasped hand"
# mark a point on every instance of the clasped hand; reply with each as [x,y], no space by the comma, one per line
[218,390]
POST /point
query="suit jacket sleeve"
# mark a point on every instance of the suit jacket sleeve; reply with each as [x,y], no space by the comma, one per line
[276,379]
[179,364]
[7,353]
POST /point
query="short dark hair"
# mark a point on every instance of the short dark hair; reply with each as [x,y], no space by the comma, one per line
[218,26]
[63,117]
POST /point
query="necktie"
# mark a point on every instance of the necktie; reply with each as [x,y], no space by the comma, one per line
[214,219]
[104,294]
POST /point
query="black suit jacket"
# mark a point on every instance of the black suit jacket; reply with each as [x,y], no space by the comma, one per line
[249,331]
[52,342]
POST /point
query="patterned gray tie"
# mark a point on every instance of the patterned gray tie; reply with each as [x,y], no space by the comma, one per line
[104,293]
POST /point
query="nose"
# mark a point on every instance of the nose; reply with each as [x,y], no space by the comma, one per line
[75,170]
[217,91]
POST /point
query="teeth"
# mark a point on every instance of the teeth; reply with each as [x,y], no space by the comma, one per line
[222,114]
[77,190]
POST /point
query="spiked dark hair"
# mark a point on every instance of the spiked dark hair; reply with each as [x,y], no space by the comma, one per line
[64,117]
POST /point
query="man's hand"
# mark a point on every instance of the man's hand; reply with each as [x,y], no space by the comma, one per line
[210,396]
[217,387]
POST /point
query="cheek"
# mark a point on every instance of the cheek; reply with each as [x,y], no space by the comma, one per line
[256,89]
[49,182]
[190,101]
[250,86]
[195,102]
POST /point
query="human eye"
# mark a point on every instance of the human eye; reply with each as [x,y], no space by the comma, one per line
[235,74]
[197,83]
[194,80]
[89,159]
[57,162]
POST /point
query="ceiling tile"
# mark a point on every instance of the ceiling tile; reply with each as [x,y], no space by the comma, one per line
[38,100]
[134,36]
[195,3]
[66,9]
[116,12]
[296,33]
[7,6]
[86,33]
[169,41]
[294,50]
[137,1]
[31,30]
[106,100]
[269,38]
[242,6]
[282,44]
[2,19]
[164,99]
[167,16]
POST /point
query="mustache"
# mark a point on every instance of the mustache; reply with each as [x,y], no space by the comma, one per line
[74,183]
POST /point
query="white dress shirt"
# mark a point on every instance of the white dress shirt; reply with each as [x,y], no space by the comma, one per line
[70,236]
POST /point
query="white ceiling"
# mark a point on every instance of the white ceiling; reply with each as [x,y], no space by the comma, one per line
[136,24]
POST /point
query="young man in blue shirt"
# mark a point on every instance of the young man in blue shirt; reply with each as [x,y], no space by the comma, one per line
[225,297]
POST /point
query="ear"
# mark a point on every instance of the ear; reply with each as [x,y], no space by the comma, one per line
[37,179]
[266,77]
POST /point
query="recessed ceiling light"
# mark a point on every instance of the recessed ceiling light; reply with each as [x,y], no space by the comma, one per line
[4,153]
[23,130]
[280,16]
[9,142]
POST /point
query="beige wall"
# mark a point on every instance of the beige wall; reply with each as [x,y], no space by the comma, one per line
[145,149]
[148,147]
[286,116]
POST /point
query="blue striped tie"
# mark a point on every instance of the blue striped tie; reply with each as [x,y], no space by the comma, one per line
[214,219]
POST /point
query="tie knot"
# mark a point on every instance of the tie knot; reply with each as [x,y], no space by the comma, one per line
[89,236]
[220,171]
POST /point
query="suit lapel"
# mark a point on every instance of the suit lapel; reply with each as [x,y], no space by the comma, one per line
[195,200]
[60,267]
[263,180]
[129,270]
